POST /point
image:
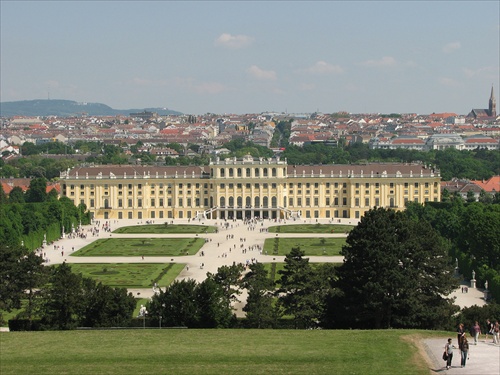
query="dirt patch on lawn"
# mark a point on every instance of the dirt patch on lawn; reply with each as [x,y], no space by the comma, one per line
[420,359]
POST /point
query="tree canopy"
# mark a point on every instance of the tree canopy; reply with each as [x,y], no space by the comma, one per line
[395,273]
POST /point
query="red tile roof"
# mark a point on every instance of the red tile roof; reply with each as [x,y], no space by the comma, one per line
[491,185]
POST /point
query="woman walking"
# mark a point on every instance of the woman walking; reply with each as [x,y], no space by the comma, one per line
[464,351]
[460,334]
[448,348]
[477,332]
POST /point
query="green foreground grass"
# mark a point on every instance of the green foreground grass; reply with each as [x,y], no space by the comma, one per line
[142,247]
[171,351]
[310,246]
[130,275]
[165,229]
[311,228]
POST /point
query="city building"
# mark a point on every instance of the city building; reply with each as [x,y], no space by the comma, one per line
[490,112]
[247,188]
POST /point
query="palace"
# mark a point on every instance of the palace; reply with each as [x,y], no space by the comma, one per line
[247,188]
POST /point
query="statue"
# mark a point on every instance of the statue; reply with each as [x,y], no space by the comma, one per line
[473,275]
[142,311]
[486,285]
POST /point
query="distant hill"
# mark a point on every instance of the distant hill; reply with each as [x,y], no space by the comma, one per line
[68,108]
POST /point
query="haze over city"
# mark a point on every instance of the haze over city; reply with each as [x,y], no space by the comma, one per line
[251,57]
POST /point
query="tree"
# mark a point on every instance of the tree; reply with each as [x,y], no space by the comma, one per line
[260,312]
[445,195]
[104,306]
[214,309]
[16,195]
[20,271]
[53,195]
[228,277]
[396,272]
[471,197]
[478,236]
[32,276]
[64,299]
[299,294]
[3,196]
[37,191]
[177,305]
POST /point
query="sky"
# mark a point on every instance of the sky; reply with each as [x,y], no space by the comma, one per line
[240,57]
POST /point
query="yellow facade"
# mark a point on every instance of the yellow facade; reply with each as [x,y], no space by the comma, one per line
[247,188]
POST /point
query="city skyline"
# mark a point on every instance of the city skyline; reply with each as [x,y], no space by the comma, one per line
[252,57]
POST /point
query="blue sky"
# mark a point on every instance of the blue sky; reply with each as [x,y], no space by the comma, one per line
[255,56]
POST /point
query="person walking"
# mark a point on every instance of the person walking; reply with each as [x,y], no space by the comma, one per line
[477,332]
[496,332]
[448,348]
[460,334]
[464,351]
[489,329]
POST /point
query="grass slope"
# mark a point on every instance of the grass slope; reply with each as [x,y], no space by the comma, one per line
[170,351]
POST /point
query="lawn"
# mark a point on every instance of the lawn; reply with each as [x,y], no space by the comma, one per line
[224,351]
[310,246]
[166,229]
[311,228]
[142,247]
[130,275]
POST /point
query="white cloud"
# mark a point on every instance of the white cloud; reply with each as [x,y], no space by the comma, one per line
[383,62]
[450,47]
[256,72]
[322,67]
[487,72]
[448,82]
[233,41]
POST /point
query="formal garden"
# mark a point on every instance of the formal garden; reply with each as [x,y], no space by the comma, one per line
[311,228]
[166,229]
[130,275]
[138,247]
[315,246]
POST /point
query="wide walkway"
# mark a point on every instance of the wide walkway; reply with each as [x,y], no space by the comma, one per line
[484,358]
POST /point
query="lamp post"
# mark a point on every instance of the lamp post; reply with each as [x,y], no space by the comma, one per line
[142,313]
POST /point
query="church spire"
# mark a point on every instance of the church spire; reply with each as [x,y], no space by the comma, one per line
[492,104]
